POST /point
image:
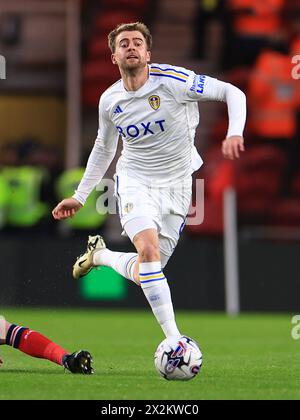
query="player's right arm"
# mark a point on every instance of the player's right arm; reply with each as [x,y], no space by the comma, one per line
[99,161]
[66,208]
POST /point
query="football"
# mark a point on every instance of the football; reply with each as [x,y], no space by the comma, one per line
[178,359]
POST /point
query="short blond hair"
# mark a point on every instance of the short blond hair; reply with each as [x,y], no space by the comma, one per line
[136,26]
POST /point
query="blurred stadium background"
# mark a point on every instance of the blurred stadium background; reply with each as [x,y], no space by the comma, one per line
[57,66]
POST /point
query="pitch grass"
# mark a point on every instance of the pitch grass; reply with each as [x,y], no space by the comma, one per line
[249,357]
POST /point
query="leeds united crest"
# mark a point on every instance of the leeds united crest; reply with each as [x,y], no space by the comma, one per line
[154,101]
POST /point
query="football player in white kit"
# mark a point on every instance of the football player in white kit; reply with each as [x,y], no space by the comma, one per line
[153,109]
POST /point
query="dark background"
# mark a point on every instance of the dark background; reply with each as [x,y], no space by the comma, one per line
[36,271]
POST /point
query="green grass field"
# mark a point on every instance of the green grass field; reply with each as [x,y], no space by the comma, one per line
[250,357]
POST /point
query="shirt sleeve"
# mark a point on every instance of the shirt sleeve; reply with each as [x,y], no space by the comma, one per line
[205,88]
[101,156]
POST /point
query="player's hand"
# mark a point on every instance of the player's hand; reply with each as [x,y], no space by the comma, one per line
[66,208]
[232,146]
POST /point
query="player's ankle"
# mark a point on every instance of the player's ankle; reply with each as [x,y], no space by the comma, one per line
[170,329]
[98,257]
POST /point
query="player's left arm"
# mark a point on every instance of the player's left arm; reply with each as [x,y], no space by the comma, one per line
[205,88]
[232,146]
[237,113]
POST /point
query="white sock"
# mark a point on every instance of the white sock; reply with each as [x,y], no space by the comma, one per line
[122,262]
[157,292]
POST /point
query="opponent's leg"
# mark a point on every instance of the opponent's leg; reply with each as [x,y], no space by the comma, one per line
[153,282]
[36,345]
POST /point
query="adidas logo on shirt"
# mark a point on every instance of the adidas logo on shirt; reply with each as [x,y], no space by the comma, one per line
[118,110]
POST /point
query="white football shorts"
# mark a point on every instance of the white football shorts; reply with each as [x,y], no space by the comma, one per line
[144,207]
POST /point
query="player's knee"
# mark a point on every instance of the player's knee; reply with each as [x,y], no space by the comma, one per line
[149,252]
[164,260]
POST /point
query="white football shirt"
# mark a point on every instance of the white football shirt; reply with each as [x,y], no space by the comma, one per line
[157,125]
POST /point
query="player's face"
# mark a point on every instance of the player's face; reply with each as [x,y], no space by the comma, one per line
[131,51]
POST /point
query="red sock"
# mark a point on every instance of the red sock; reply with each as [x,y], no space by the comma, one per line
[34,344]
